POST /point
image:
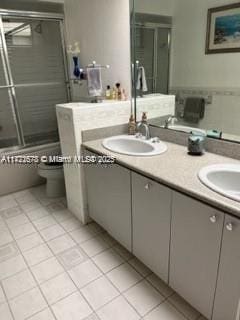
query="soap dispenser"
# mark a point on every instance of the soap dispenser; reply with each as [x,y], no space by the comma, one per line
[144,117]
[132,127]
[108,93]
[119,91]
[114,94]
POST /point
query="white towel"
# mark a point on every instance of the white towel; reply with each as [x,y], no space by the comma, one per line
[94,77]
[141,80]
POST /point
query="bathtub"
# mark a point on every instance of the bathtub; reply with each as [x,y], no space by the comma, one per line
[16,177]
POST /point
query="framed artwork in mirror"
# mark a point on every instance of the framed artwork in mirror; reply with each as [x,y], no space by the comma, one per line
[223,29]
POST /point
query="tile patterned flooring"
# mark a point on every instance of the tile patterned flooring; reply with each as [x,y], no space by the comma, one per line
[54,268]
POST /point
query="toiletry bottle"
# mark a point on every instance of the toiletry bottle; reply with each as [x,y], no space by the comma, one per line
[132,125]
[114,94]
[124,95]
[108,93]
[119,91]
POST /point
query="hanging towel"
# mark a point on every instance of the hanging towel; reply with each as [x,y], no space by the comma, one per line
[194,109]
[94,78]
[141,80]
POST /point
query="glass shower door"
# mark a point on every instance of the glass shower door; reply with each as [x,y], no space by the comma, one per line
[145,38]
[37,65]
[162,63]
[152,52]
[8,124]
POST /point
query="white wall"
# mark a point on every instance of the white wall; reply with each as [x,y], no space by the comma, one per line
[102,28]
[190,66]
[160,7]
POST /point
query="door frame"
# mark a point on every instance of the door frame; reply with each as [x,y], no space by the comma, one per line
[155,27]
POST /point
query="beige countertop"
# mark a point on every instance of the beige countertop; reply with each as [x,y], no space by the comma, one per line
[177,170]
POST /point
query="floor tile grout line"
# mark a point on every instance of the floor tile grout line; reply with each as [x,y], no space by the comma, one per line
[77,290]
[8,303]
[57,223]
[36,231]
[38,285]
[23,292]
[120,293]
[48,308]
[20,252]
[91,258]
[22,271]
[102,275]
[42,206]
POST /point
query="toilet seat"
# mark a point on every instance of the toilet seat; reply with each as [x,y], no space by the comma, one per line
[50,172]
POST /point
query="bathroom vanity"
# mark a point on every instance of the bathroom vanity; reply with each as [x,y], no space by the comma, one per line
[188,235]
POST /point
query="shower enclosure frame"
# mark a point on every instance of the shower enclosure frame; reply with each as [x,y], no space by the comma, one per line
[155,26]
[10,86]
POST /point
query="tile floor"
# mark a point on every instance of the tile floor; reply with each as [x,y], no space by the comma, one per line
[54,268]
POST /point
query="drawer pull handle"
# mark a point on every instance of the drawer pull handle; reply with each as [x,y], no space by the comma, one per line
[229,226]
[213,219]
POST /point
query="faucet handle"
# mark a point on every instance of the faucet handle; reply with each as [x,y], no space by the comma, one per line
[174,119]
[155,140]
[138,135]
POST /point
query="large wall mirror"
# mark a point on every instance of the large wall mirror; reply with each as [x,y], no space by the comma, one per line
[189,49]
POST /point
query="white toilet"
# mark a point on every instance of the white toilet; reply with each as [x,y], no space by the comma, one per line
[53,172]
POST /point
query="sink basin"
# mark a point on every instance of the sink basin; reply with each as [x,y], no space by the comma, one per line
[187,129]
[222,178]
[132,146]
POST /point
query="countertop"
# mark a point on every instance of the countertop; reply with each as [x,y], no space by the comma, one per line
[177,170]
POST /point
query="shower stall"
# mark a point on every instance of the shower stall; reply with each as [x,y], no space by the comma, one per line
[152,50]
[33,78]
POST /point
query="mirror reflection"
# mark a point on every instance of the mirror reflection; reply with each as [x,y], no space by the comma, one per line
[186,58]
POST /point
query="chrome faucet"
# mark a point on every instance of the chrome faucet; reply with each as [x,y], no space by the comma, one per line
[171,120]
[147,130]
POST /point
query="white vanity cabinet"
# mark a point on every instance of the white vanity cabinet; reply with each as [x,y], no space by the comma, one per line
[196,235]
[109,200]
[227,301]
[192,246]
[151,218]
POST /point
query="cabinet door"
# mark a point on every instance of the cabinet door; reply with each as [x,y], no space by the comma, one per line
[109,199]
[195,249]
[227,299]
[151,214]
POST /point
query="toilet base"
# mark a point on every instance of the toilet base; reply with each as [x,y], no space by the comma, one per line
[55,188]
